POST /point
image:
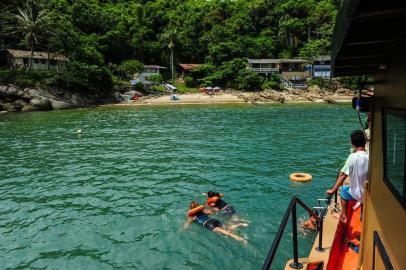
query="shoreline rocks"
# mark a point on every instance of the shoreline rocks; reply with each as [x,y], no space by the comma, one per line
[17,99]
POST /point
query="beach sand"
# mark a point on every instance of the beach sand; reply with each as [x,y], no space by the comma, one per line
[221,98]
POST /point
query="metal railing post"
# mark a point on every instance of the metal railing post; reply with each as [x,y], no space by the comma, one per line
[320,247]
[295,264]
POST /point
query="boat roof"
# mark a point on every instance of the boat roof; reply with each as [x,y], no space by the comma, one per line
[368,34]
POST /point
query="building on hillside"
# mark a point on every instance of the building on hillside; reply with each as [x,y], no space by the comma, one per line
[40,61]
[187,68]
[143,77]
[290,69]
[321,67]
[264,66]
[293,71]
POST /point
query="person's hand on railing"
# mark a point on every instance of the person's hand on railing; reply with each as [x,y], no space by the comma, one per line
[330,191]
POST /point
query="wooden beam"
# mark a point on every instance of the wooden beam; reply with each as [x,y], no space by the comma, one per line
[377,31]
[372,50]
[380,14]
[401,41]
[373,61]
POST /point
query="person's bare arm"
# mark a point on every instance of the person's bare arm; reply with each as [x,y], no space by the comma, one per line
[208,211]
[187,222]
[340,180]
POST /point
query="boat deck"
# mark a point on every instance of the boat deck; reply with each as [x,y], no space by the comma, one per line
[336,254]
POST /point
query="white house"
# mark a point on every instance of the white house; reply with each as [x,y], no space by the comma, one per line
[143,77]
[40,61]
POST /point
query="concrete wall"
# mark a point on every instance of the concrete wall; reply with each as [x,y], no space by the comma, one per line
[384,213]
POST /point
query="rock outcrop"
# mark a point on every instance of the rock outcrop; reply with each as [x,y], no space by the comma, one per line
[17,99]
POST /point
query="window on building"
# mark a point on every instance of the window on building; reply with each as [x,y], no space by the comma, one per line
[394,130]
[43,61]
[25,60]
[52,62]
[36,61]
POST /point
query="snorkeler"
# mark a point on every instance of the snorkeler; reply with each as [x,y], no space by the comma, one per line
[200,215]
[219,205]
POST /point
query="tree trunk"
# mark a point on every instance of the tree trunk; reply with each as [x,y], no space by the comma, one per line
[48,60]
[31,57]
[173,78]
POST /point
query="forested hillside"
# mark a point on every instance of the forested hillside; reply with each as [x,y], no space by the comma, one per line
[99,35]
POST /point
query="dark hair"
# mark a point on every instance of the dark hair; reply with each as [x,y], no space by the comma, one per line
[193,205]
[213,194]
[358,138]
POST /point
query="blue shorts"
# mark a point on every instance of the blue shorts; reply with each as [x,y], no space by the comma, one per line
[345,194]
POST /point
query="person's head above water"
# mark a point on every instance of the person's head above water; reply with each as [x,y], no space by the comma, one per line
[358,138]
[213,194]
[194,205]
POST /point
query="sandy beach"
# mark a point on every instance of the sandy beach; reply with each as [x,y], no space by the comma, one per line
[234,98]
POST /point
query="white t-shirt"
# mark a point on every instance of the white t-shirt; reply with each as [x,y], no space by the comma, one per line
[357,170]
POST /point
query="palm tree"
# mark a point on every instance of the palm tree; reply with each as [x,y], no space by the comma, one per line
[171,36]
[32,22]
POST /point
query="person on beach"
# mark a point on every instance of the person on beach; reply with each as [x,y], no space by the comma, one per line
[217,204]
[200,215]
[357,170]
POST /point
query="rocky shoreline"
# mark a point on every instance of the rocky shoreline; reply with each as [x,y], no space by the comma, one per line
[312,94]
[18,99]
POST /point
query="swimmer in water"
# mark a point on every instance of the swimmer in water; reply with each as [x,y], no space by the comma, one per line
[217,204]
[200,215]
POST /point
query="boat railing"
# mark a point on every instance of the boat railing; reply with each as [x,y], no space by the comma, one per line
[291,210]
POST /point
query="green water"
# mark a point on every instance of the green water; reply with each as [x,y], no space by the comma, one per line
[115,197]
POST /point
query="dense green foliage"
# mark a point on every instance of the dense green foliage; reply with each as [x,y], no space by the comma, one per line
[99,36]
[128,68]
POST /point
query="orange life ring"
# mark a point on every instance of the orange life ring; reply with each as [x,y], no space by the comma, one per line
[195,210]
[301,177]
[212,200]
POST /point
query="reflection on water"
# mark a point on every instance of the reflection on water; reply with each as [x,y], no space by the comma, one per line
[115,195]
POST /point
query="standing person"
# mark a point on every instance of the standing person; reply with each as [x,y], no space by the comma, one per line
[198,214]
[357,170]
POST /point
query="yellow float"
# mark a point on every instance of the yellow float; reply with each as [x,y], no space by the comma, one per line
[301,177]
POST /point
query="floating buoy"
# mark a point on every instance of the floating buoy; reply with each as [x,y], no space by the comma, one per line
[301,177]
[78,131]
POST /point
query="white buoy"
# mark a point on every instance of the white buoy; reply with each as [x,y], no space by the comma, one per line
[78,131]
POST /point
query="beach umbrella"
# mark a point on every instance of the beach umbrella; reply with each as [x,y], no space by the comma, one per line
[217,88]
[209,88]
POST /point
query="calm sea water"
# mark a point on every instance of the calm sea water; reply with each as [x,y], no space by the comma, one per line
[115,197]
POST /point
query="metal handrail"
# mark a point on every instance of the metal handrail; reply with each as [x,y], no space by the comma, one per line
[321,220]
[292,210]
[278,237]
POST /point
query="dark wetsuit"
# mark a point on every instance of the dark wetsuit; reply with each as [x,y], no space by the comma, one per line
[207,222]
[225,209]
